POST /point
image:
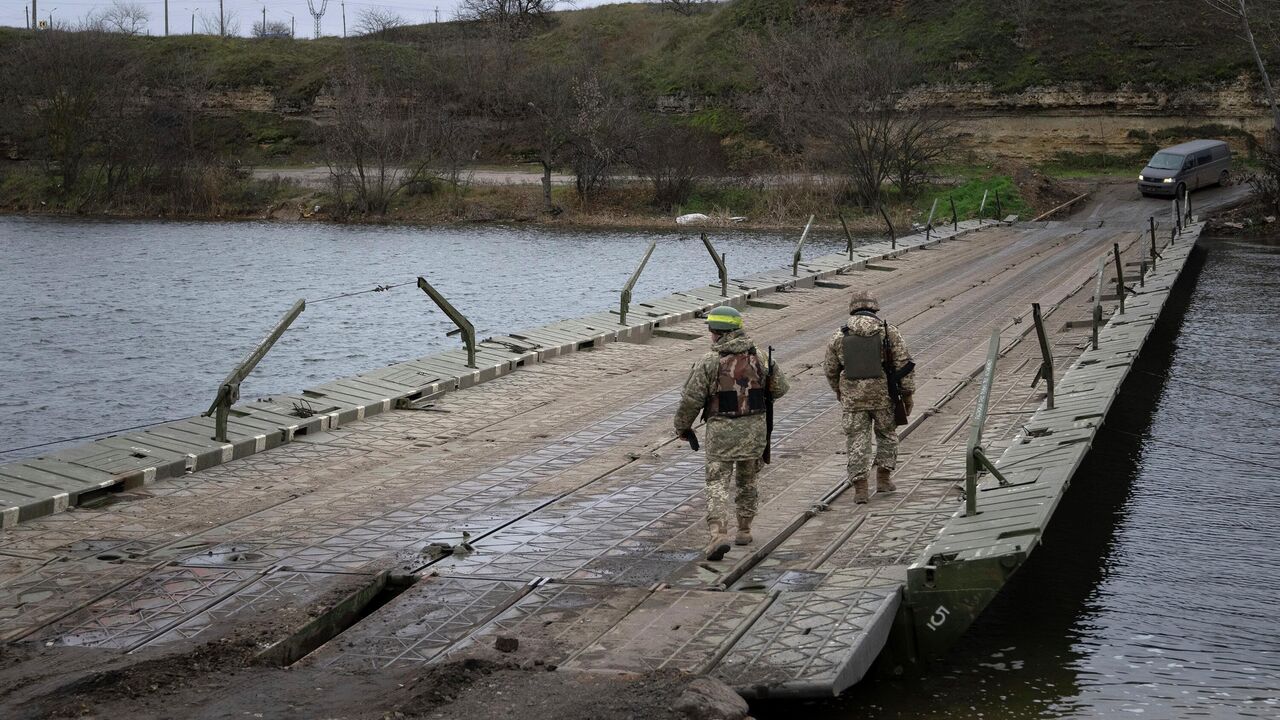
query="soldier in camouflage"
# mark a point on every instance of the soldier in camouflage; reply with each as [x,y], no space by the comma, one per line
[730,384]
[854,368]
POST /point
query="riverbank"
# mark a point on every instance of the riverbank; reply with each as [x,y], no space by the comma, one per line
[510,196]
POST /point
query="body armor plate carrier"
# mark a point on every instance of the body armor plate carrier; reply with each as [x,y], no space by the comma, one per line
[741,386]
[862,356]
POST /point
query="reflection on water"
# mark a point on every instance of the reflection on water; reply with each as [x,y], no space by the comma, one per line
[1154,594]
[112,324]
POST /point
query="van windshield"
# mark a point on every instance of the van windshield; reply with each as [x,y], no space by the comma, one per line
[1166,161]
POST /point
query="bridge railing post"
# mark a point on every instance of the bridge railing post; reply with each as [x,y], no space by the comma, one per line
[982,206]
[721,269]
[1154,254]
[464,325]
[229,390]
[1120,288]
[928,224]
[893,236]
[955,219]
[1187,205]
[1097,300]
[795,258]
[848,239]
[1046,357]
[999,207]
[975,459]
[625,301]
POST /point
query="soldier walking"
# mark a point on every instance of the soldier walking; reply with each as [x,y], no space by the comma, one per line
[864,358]
[733,386]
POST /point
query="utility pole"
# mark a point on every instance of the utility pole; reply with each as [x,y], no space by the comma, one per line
[166,18]
[193,22]
[26,16]
[344,18]
[222,21]
[437,13]
[263,30]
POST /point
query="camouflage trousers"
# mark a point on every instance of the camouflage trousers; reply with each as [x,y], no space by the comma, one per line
[859,426]
[720,476]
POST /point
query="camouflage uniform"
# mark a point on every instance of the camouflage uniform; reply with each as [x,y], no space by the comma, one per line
[733,445]
[866,402]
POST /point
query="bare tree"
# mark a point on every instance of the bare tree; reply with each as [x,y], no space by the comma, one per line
[126,18]
[819,92]
[601,135]
[510,14]
[378,143]
[209,24]
[548,111]
[378,21]
[272,29]
[1240,11]
[673,158]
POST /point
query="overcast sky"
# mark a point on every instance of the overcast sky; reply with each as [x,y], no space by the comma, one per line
[250,11]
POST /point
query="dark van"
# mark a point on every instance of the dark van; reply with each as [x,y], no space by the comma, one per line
[1188,166]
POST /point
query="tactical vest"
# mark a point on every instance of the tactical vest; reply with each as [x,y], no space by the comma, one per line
[741,386]
[863,355]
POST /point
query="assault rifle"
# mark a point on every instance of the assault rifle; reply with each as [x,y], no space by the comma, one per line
[768,409]
[895,379]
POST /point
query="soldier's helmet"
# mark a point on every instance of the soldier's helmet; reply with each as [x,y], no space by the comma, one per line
[724,318]
[863,299]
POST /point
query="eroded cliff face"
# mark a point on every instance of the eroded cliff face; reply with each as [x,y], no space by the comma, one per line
[1034,124]
[1041,122]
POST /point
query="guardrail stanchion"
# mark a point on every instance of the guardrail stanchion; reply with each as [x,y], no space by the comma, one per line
[955,219]
[1097,299]
[848,239]
[626,289]
[1046,357]
[982,206]
[229,390]
[795,259]
[1187,194]
[893,236]
[1119,276]
[974,457]
[928,224]
[721,268]
[999,207]
[1154,254]
[464,325]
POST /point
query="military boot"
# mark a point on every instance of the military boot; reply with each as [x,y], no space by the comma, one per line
[860,495]
[744,531]
[883,483]
[719,546]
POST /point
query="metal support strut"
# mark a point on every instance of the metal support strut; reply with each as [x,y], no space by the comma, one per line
[795,259]
[1046,362]
[1154,254]
[974,457]
[928,224]
[848,239]
[1120,289]
[229,390]
[955,219]
[720,266]
[626,289]
[464,325]
[1097,300]
[982,206]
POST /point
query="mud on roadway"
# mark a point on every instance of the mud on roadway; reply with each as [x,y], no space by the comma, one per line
[227,678]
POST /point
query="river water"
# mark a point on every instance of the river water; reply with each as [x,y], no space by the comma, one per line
[110,324]
[1155,593]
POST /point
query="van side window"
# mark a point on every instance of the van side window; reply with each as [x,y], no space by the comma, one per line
[1204,158]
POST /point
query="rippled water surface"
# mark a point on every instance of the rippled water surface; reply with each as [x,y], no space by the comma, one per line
[1156,593]
[113,324]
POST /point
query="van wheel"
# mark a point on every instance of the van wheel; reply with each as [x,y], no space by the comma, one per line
[1180,190]
[1224,178]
